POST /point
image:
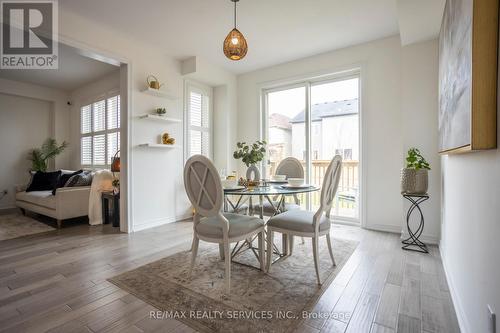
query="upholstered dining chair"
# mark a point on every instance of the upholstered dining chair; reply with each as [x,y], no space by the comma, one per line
[307,223]
[291,168]
[204,190]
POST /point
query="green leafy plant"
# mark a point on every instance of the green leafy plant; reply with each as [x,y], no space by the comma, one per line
[415,160]
[250,154]
[40,156]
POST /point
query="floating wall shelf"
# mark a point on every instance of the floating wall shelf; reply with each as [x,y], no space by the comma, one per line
[158,145]
[161,118]
[159,93]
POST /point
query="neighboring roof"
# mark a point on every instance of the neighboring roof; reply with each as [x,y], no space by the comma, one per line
[329,109]
[279,121]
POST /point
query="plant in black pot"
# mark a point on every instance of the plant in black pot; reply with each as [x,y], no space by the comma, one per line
[414,177]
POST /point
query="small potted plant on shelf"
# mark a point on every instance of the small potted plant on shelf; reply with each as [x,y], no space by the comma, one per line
[251,155]
[161,111]
[414,177]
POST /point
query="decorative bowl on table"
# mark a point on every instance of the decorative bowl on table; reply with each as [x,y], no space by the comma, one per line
[279,178]
[229,183]
[250,184]
[295,181]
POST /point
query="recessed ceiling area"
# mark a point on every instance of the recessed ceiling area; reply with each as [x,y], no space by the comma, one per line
[277,31]
[75,70]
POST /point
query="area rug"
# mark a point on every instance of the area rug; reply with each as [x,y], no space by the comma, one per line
[17,225]
[258,302]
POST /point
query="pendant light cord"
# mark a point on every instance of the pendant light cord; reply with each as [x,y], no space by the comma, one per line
[235,14]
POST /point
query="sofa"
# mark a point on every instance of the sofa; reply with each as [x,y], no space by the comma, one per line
[64,203]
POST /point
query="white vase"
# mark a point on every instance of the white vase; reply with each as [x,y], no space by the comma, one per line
[253,172]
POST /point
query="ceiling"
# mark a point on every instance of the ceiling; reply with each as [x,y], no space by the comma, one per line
[277,31]
[75,70]
[419,19]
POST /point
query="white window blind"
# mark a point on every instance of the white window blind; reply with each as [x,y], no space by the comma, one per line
[199,126]
[100,131]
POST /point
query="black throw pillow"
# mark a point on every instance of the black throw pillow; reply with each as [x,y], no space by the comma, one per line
[63,179]
[44,181]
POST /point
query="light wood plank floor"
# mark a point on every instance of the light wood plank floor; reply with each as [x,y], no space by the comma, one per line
[56,282]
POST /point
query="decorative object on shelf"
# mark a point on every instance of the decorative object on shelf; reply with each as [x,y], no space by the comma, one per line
[161,111]
[167,140]
[153,82]
[414,177]
[251,155]
[49,150]
[413,242]
[468,48]
[235,45]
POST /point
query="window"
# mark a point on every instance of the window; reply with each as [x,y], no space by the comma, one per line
[100,131]
[198,120]
[317,119]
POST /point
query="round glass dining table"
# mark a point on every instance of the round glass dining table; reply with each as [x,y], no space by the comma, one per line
[274,193]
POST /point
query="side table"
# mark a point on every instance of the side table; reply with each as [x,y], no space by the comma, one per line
[111,208]
[413,243]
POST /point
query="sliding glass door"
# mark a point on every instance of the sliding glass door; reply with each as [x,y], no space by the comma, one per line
[314,121]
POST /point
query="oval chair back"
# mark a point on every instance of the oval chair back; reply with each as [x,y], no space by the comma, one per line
[291,167]
[203,186]
[330,185]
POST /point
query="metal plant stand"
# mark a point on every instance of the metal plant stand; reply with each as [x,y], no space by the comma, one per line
[413,243]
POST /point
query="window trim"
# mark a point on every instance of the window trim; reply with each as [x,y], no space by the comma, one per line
[90,101]
[205,90]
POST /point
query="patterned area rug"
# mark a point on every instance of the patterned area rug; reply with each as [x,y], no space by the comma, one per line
[258,302]
[16,225]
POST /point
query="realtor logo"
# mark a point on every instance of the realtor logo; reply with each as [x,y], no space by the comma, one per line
[29,34]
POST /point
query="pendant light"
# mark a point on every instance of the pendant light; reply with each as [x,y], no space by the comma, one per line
[235,45]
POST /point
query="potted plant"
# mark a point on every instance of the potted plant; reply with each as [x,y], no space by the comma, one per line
[251,155]
[414,177]
[40,156]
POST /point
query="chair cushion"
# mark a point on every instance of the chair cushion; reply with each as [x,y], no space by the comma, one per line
[298,220]
[268,209]
[238,225]
[40,198]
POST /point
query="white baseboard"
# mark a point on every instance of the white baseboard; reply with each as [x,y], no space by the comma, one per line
[428,239]
[158,222]
[459,310]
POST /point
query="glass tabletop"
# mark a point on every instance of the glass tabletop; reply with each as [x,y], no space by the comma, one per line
[271,190]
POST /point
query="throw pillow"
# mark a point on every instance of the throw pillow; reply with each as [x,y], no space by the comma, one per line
[84,178]
[65,176]
[44,181]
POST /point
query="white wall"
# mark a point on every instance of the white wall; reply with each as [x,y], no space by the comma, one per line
[419,109]
[83,96]
[58,99]
[382,101]
[24,124]
[469,235]
[156,190]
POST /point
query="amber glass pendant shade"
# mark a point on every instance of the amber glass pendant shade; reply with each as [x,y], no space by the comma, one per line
[235,45]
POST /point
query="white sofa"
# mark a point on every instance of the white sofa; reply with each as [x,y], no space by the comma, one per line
[68,202]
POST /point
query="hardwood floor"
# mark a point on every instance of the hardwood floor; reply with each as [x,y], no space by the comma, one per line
[56,282]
